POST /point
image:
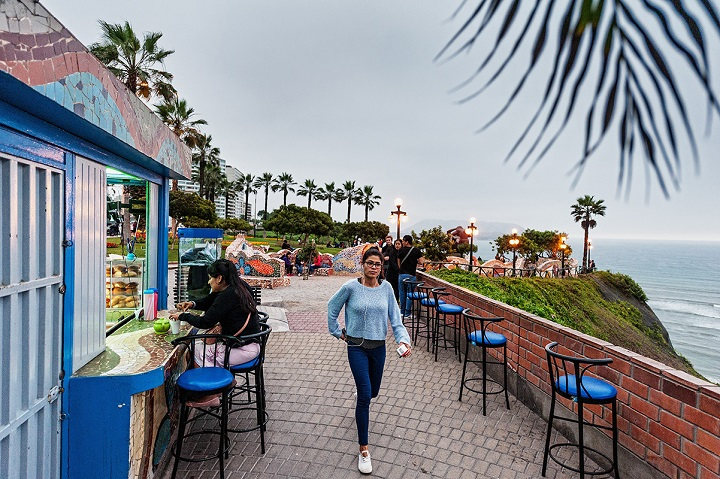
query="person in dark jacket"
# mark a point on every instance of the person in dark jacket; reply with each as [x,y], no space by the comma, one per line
[229,304]
[393,270]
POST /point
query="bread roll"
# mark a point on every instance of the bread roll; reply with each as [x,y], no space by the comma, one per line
[117,300]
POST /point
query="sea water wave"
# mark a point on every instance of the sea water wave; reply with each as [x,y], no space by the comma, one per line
[707,310]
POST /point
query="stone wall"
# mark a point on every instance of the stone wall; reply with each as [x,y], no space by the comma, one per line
[668,420]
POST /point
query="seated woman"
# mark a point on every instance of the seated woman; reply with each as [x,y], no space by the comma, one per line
[288,264]
[229,304]
[317,263]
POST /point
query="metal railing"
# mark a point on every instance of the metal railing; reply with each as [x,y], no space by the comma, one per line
[500,271]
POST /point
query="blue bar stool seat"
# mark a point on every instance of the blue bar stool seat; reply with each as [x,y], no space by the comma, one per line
[197,382]
[479,336]
[568,379]
[443,312]
[255,400]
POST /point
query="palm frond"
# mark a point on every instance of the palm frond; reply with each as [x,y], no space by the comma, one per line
[628,51]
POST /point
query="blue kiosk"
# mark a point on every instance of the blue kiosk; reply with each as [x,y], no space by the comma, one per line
[75,401]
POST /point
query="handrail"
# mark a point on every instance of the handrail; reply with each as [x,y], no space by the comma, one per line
[504,271]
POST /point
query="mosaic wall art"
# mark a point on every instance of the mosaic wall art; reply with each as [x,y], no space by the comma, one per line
[39,51]
[348,261]
[253,262]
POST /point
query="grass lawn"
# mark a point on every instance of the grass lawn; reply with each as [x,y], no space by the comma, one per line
[272,242]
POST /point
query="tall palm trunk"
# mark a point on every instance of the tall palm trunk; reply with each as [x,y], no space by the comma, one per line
[585,244]
[330,200]
[309,200]
[201,177]
[366,213]
[247,199]
[266,198]
[285,192]
[349,206]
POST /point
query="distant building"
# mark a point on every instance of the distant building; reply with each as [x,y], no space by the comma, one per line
[194,187]
[236,204]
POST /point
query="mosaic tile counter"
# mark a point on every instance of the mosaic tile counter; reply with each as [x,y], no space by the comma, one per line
[136,349]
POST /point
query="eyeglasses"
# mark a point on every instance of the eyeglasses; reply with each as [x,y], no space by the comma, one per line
[373,264]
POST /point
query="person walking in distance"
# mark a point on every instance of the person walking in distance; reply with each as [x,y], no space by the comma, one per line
[408,258]
[369,303]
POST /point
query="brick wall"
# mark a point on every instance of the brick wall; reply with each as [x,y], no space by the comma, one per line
[667,419]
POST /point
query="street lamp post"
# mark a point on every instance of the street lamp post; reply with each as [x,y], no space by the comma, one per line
[471,232]
[514,242]
[399,212]
[563,246]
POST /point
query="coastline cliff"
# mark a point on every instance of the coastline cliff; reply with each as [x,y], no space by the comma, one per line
[605,305]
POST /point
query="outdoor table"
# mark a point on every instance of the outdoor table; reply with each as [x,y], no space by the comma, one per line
[133,397]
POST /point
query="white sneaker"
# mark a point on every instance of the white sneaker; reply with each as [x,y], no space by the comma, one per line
[364,463]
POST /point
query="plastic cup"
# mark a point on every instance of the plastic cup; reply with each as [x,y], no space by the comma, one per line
[175,326]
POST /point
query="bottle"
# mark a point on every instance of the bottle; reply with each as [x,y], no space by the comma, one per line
[149,306]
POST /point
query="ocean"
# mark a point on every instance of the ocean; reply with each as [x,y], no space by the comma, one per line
[682,283]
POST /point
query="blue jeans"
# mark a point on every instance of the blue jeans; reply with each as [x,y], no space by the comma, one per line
[405,302]
[367,369]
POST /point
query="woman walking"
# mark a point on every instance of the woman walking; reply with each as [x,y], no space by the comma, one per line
[369,302]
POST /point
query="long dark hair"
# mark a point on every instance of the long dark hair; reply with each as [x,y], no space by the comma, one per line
[229,273]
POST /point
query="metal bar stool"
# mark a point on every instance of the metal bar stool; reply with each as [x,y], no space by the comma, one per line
[253,367]
[446,309]
[414,297]
[568,379]
[484,339]
[197,382]
[425,311]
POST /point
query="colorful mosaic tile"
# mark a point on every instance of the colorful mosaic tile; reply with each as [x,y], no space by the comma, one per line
[348,261]
[40,52]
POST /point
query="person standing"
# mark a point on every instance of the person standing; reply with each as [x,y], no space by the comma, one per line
[369,303]
[393,268]
[408,256]
[385,248]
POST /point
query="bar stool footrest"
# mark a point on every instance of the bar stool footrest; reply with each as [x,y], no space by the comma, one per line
[478,391]
[202,458]
[575,469]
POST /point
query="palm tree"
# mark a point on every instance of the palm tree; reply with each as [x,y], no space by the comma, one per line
[264,181]
[245,183]
[203,155]
[309,189]
[625,51]
[284,182]
[214,178]
[134,62]
[176,114]
[350,194]
[367,198]
[330,193]
[583,211]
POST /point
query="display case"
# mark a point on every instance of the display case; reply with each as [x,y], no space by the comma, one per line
[124,283]
[198,248]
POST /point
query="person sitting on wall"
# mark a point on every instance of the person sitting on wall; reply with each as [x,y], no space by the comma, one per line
[231,305]
[298,265]
[288,264]
[317,263]
[285,244]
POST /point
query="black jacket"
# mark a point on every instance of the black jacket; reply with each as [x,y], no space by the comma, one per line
[226,308]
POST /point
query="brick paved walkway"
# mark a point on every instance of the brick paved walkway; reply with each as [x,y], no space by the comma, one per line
[418,428]
[307,321]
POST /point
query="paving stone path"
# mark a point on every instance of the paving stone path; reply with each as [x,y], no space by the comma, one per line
[418,429]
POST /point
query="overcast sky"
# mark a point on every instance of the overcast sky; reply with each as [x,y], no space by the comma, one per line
[341,90]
